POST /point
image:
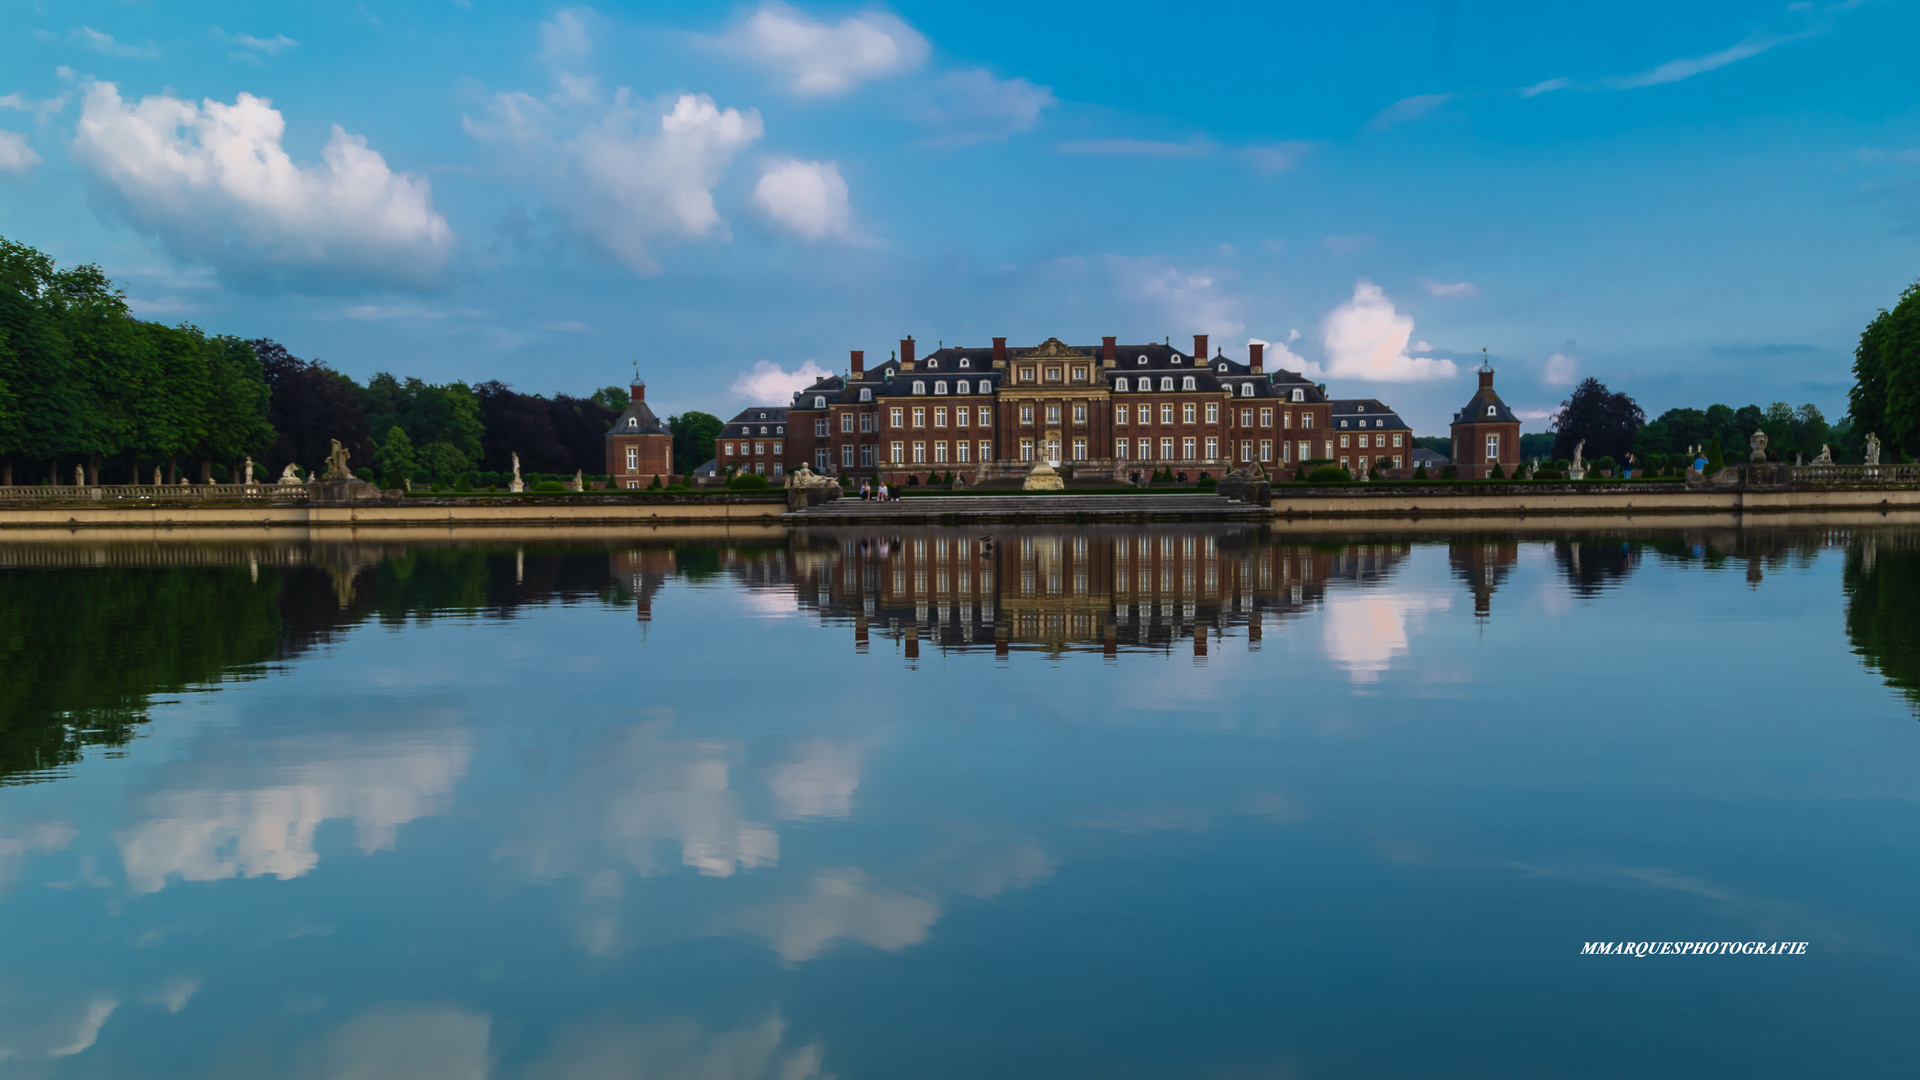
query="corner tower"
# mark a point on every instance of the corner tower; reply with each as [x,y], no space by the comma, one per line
[1485,433]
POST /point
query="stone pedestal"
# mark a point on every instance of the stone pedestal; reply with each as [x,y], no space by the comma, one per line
[1042,477]
[342,492]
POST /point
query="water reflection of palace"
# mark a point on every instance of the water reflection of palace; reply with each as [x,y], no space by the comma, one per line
[1099,587]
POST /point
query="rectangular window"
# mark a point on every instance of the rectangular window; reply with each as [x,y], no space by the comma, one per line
[899,453]
[962,451]
[1266,417]
[729,449]
[1080,414]
[1213,449]
[1306,419]
[1363,442]
[1026,374]
[866,422]
[866,455]
[1166,449]
[633,485]
[1246,450]
[633,458]
[776,469]
[1079,449]
[986,450]
[759,449]
[1266,449]
[819,429]
[760,467]
[1493,448]
[1146,414]
[1186,448]
[1079,374]
[961,415]
[846,423]
[1026,449]
[939,418]
[1120,413]
[1246,417]
[919,453]
[1053,414]
[776,449]
[1026,415]
[986,416]
[1306,450]
[894,416]
[1186,414]
[1120,449]
[1286,451]
[919,418]
[1166,414]
[1213,412]
[1396,442]
[1346,441]
[1343,463]
[1146,449]
[1396,462]
[846,456]
[1286,419]
[1053,373]
[940,453]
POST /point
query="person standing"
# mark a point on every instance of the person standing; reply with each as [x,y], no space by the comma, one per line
[1626,473]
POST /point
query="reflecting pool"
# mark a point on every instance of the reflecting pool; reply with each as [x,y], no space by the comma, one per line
[1149,801]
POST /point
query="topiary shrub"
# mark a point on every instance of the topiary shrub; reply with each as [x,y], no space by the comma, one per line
[747,481]
[677,487]
[1300,474]
[1329,474]
[1206,483]
[548,487]
[364,474]
[1548,472]
[1496,473]
[464,484]
[1420,471]
[1448,473]
[655,486]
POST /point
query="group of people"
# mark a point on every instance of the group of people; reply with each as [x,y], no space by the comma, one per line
[877,493]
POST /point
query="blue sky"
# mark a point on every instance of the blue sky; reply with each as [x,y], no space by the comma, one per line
[1693,202]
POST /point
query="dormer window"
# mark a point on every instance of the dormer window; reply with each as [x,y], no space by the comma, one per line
[1223,367]
[1299,395]
[780,429]
[866,394]
[1246,389]
[919,387]
[1343,423]
[633,421]
[763,416]
[1120,384]
[932,363]
[1359,408]
[965,387]
[964,362]
[1493,410]
[763,427]
[1166,384]
[1188,383]
[819,402]
[940,387]
[1176,358]
[1143,361]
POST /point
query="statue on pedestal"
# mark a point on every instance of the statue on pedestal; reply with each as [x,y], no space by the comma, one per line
[1825,458]
[516,484]
[290,474]
[249,479]
[1043,478]
[1873,448]
[79,476]
[1578,470]
[1757,446]
[336,464]
[156,476]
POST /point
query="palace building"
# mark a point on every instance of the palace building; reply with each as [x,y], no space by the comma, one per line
[639,446]
[754,441]
[1485,433]
[1106,411]
[1371,435]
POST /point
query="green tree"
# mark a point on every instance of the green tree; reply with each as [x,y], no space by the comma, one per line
[1885,398]
[693,437]
[611,397]
[236,419]
[394,458]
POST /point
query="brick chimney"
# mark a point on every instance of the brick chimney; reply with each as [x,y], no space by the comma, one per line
[1257,357]
[1200,347]
[639,390]
[1486,378]
[1109,351]
[906,353]
[859,361]
[999,352]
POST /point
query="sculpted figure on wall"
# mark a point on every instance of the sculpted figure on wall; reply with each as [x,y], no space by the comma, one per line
[1873,448]
[1757,446]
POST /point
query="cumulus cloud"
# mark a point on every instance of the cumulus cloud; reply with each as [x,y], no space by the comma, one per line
[173,994]
[1406,109]
[1366,339]
[628,176]
[820,59]
[1364,632]
[809,197]
[1560,368]
[1280,354]
[15,155]
[820,782]
[770,384]
[971,107]
[1441,288]
[213,183]
[1190,298]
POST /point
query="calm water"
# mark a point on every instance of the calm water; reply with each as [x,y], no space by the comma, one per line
[1153,802]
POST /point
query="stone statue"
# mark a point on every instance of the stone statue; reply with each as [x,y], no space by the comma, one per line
[1826,456]
[1873,448]
[1797,463]
[290,474]
[516,484]
[79,476]
[1757,445]
[249,479]
[336,464]
[1578,469]
[156,476]
[579,480]
[1043,478]
[806,477]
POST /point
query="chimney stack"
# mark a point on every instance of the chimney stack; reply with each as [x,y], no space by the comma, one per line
[639,390]
[1257,357]
[1486,378]
[999,352]
[1109,351]
[859,359]
[1200,348]
[906,353]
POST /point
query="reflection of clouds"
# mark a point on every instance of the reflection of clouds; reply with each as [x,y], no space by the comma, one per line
[637,789]
[984,862]
[412,1042]
[17,842]
[677,1050]
[840,903]
[819,782]
[38,1025]
[173,994]
[1365,631]
[255,812]
[768,603]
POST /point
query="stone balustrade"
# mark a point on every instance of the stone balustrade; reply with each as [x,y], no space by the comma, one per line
[154,492]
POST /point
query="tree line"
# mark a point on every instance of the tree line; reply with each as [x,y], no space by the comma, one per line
[85,385]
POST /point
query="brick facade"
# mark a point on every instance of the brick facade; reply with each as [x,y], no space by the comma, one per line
[639,446]
[1485,434]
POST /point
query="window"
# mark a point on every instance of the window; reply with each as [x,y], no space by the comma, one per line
[1286,451]
[1079,449]
[1079,374]
[899,453]
[1120,449]
[965,387]
[1120,384]
[759,449]
[1080,413]
[819,429]
[1266,417]
[729,449]
[932,363]
[964,362]
[1266,449]
[819,402]
[1166,383]
[1143,361]
[1026,374]
[846,423]
[1246,417]
[776,449]
[1396,461]
[1299,395]
[1493,448]
[1223,367]
[866,455]
[633,485]
[1343,423]
[986,450]
[1176,358]
[939,418]
[894,415]
[940,453]
[940,387]
[919,387]
[1187,383]
[961,415]
[1053,373]
[866,393]
[1213,449]
[846,456]
[1286,419]
[986,416]
[776,469]
[961,448]
[633,421]
[1359,408]
[1186,413]
[1186,449]
[1026,449]
[760,467]
[1346,441]
[763,416]
[919,418]
[633,459]
[1145,414]
[1246,389]
[1053,414]
[1120,414]
[866,422]
[1026,414]
[1166,449]
[1396,442]
[763,427]
[919,453]
[1493,410]
[1306,419]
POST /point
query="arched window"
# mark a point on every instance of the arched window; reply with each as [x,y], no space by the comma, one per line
[1166,382]
[932,363]
[819,402]
[965,387]
[1176,358]
[866,394]
[919,387]
[1120,384]
[1246,389]
[1223,367]
[1188,383]
[1299,395]
[1493,410]
[763,416]
[633,421]
[940,387]
[1359,408]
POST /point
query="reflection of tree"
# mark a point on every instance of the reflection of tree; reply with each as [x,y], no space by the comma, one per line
[1883,611]
[1592,566]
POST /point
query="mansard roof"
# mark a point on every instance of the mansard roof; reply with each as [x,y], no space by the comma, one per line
[637,410]
[1351,412]
[1475,411]
[749,421]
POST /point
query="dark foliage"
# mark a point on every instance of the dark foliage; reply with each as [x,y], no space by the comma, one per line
[309,405]
[1606,419]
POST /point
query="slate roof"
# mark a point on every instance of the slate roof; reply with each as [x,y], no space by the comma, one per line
[1429,458]
[649,423]
[1475,411]
[769,421]
[1369,413]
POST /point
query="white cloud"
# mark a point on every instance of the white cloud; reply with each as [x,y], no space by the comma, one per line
[1547,86]
[272,46]
[971,107]
[630,175]
[1276,158]
[840,903]
[420,1042]
[1408,108]
[1366,339]
[45,107]
[213,183]
[809,197]
[1364,632]
[1198,146]
[1687,67]
[104,43]
[770,384]
[1280,355]
[820,782]
[173,994]
[1560,369]
[15,155]
[39,1025]
[1441,288]
[818,59]
[1189,299]
[678,1050]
